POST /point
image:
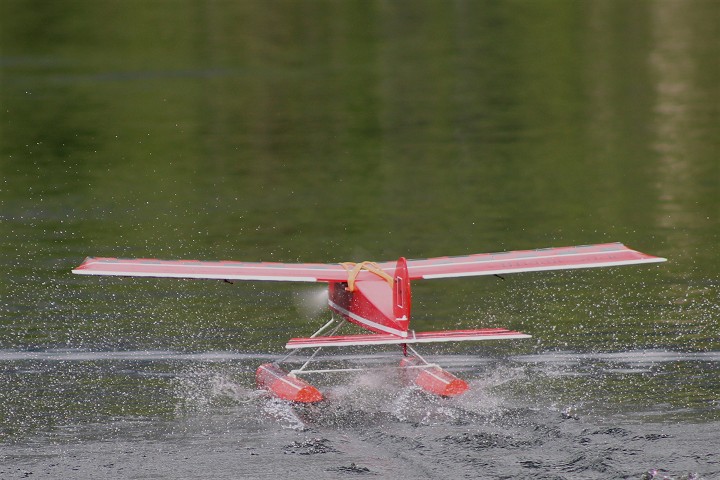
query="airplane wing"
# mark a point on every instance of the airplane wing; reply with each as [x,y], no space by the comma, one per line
[586,256]
[223,270]
[562,258]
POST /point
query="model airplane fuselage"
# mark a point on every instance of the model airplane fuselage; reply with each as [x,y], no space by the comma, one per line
[376,297]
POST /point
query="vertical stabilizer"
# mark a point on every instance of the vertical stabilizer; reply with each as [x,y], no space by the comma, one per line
[401,294]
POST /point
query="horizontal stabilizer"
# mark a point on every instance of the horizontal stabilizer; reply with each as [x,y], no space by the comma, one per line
[413,337]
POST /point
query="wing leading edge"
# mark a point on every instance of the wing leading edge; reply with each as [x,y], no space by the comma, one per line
[586,256]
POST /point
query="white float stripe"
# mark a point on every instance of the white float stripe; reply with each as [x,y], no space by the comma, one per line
[430,372]
[281,378]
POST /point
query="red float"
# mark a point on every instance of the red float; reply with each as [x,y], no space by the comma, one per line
[432,378]
[285,386]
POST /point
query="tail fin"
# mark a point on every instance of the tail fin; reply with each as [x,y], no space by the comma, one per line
[401,294]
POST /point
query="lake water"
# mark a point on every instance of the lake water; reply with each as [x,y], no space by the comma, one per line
[332,131]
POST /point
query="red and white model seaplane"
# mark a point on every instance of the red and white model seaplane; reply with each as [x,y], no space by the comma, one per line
[375,296]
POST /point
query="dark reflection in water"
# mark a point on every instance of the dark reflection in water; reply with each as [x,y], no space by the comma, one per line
[332,131]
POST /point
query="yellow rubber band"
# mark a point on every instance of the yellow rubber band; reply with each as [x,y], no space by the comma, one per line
[354,270]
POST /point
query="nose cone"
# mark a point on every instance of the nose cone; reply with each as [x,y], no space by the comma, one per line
[308,394]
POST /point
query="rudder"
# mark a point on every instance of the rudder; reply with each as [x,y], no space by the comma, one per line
[401,294]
